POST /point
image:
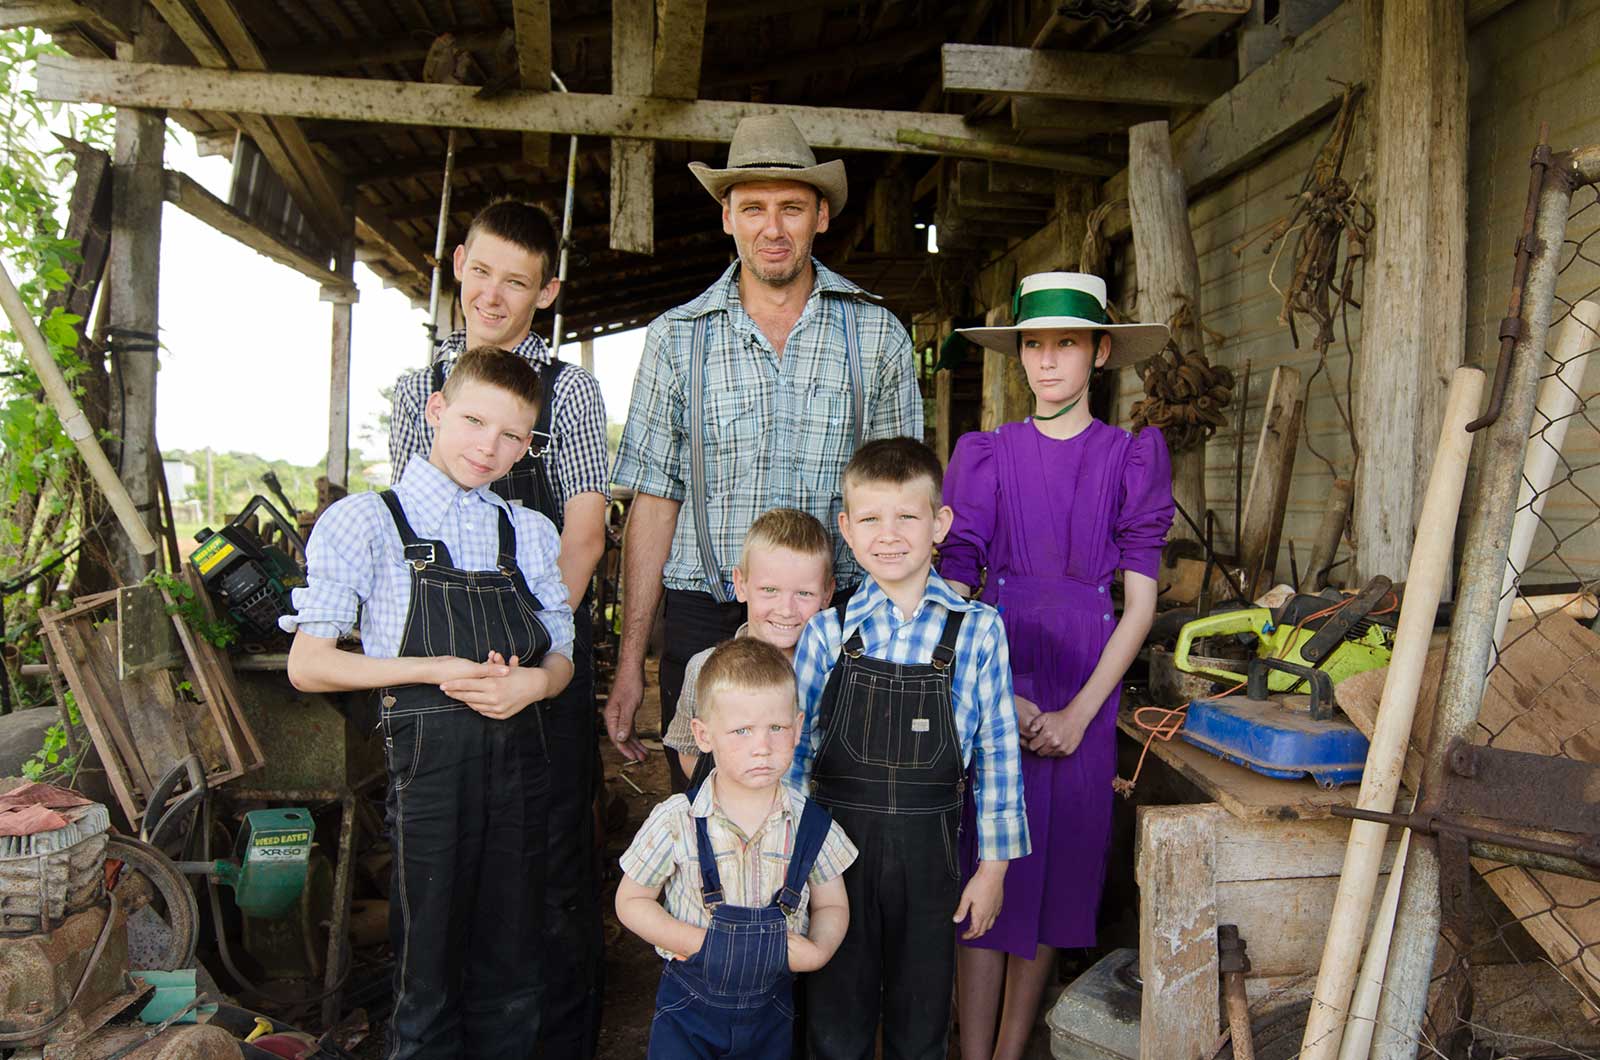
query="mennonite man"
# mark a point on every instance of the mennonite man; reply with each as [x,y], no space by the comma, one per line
[752,396]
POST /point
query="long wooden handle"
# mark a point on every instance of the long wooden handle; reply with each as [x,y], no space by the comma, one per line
[1380,782]
[73,420]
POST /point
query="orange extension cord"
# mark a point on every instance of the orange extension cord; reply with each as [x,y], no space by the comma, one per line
[1170,720]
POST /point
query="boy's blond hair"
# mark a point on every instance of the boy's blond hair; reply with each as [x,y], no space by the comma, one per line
[895,462]
[741,665]
[492,366]
[788,528]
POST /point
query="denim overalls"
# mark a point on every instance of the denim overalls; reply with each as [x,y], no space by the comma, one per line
[467,807]
[733,998]
[890,771]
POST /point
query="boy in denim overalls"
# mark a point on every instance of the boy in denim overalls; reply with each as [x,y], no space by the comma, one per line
[745,863]
[904,689]
[464,624]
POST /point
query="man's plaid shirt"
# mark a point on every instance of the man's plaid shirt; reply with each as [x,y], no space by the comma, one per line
[577,418]
[778,429]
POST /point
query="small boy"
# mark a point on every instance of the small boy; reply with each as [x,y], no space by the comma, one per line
[746,862]
[464,624]
[902,688]
[784,576]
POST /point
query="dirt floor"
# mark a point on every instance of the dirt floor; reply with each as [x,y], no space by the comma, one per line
[632,967]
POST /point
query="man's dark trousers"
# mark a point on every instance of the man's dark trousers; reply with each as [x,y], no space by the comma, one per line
[693,622]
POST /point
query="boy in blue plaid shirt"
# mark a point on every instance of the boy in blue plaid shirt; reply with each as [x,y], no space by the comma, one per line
[465,627]
[904,687]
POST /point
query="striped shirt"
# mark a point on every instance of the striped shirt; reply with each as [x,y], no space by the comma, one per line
[679,736]
[752,868]
[356,568]
[778,430]
[577,418]
[986,718]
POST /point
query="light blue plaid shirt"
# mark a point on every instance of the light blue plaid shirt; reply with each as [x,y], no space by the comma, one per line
[778,429]
[986,717]
[355,562]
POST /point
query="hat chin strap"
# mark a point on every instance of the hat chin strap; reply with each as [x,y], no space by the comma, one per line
[1065,409]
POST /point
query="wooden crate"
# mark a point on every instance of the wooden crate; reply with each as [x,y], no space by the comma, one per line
[146,719]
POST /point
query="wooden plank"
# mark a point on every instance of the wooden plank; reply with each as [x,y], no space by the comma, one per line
[633,161]
[373,227]
[1283,850]
[110,20]
[1093,76]
[1539,699]
[680,39]
[65,646]
[187,195]
[338,467]
[64,78]
[1175,868]
[1273,106]
[1248,796]
[1191,26]
[1271,476]
[1284,921]
[530,19]
[892,231]
[1075,119]
[943,443]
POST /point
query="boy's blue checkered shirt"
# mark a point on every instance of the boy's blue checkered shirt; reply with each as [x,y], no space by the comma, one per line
[356,568]
[986,716]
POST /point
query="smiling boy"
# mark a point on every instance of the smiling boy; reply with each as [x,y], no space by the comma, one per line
[423,566]
[784,576]
[902,689]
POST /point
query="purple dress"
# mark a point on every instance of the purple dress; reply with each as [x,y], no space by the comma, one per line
[1051,521]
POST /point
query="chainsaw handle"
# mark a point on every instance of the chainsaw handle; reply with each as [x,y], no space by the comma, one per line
[1321,684]
[1221,624]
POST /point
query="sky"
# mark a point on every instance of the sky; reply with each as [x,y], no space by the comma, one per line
[246,359]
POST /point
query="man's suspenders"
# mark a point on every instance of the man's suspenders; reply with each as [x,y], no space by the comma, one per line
[710,569]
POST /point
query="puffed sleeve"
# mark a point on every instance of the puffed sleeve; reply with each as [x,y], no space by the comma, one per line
[971,489]
[1146,513]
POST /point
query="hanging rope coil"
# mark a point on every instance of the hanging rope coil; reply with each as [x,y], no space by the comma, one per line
[1185,394]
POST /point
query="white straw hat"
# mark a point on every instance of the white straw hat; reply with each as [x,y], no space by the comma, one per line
[1054,300]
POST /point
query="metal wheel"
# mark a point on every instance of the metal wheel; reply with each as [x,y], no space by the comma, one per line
[163,915]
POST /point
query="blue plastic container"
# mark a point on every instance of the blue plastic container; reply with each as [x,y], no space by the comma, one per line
[1277,740]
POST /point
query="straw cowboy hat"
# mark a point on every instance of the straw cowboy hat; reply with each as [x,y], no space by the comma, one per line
[770,147]
[1070,300]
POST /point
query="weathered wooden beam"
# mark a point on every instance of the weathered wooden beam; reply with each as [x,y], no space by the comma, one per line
[633,161]
[679,40]
[1085,75]
[892,231]
[1267,498]
[531,21]
[183,192]
[414,103]
[1169,283]
[961,147]
[110,18]
[1073,119]
[889,50]
[1409,294]
[1174,863]
[373,227]
[133,276]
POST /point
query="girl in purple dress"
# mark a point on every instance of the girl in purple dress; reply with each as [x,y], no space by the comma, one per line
[1046,512]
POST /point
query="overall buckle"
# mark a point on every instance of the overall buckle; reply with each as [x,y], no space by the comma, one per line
[421,554]
[541,443]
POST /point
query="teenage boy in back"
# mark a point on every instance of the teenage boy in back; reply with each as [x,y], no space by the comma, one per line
[750,869]
[783,577]
[506,269]
[464,628]
[903,687]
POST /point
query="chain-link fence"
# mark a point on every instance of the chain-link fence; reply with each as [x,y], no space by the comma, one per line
[1502,887]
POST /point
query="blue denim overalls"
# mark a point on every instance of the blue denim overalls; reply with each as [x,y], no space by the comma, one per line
[734,998]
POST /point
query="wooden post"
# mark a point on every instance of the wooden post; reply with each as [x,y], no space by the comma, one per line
[1169,280]
[1006,396]
[942,442]
[1414,311]
[586,355]
[135,273]
[633,162]
[530,20]
[892,231]
[1176,871]
[1330,532]
[1268,496]
[338,470]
